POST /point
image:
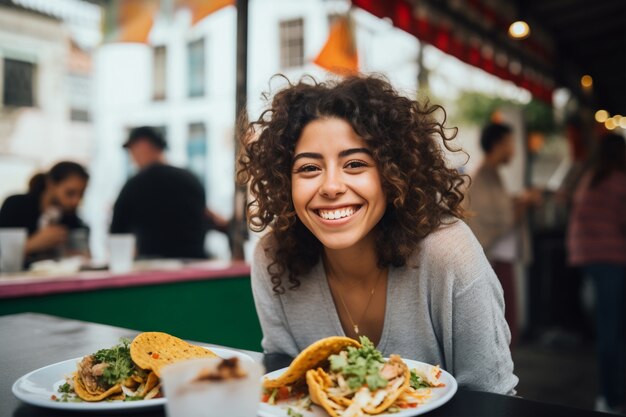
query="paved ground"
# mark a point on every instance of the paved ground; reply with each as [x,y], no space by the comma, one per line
[557,371]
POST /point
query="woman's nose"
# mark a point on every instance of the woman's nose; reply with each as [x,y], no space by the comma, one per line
[332,185]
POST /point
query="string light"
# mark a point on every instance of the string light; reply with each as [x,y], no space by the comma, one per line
[519,30]
[586,81]
[601,116]
[610,124]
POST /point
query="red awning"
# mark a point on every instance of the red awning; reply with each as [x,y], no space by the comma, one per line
[443,34]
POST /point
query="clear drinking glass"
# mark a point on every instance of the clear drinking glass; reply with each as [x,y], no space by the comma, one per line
[121,253]
[12,243]
[190,395]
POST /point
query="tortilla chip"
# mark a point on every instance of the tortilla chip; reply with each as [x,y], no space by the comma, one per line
[318,396]
[310,358]
[153,350]
[81,391]
[393,396]
[151,382]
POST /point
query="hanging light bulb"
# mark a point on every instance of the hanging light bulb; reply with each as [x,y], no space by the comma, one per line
[610,123]
[601,116]
[519,30]
[586,81]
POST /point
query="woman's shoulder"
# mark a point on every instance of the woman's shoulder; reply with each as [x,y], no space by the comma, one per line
[452,236]
[265,247]
[20,201]
[452,251]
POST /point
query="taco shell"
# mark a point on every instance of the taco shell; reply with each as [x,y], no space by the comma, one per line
[153,350]
[310,358]
[84,394]
[316,382]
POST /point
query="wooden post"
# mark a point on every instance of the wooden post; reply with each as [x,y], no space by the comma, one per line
[238,230]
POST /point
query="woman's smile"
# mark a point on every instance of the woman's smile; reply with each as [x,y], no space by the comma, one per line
[338,213]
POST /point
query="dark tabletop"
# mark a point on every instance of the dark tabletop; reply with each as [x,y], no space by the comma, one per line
[30,341]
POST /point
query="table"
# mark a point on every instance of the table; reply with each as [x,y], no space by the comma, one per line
[208,300]
[30,341]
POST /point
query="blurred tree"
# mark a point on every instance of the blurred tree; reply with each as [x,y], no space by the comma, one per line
[478,109]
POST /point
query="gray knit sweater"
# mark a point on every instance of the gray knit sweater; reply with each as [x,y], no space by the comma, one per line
[445,307]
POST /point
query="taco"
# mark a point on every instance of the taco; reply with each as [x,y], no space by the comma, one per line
[352,379]
[358,381]
[129,371]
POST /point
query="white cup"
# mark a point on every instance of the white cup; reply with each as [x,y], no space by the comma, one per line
[12,243]
[187,396]
[121,253]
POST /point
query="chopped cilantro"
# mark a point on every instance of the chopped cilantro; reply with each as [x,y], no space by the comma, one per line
[292,413]
[417,381]
[361,366]
[67,394]
[131,398]
[65,388]
[120,365]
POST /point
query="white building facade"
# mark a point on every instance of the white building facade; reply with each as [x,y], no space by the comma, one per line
[183,82]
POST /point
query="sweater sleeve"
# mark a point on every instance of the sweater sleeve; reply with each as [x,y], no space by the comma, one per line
[474,332]
[482,358]
[276,335]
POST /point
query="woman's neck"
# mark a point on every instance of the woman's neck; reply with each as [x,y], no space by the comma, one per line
[357,265]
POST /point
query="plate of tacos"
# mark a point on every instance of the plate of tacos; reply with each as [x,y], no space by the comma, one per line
[123,377]
[342,377]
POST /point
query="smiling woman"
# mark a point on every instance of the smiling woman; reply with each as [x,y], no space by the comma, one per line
[364,232]
[335,184]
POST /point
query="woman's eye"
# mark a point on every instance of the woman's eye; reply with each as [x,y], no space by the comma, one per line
[356,164]
[307,168]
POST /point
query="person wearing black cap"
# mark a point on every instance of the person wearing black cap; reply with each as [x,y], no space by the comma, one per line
[163,206]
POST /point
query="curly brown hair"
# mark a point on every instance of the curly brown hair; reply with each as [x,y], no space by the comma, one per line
[404,137]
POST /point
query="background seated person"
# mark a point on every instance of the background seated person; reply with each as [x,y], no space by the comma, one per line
[48,212]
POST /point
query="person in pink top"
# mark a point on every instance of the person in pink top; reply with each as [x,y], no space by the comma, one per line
[597,244]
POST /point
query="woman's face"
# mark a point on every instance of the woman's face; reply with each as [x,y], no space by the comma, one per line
[68,193]
[335,184]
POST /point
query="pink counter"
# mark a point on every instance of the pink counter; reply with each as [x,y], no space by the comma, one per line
[28,284]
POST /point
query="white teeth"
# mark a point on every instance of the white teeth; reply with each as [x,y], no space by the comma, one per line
[336,214]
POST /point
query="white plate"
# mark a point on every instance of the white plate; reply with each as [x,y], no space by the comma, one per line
[440,396]
[38,386]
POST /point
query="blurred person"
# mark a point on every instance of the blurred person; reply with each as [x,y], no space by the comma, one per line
[497,217]
[48,212]
[163,206]
[364,235]
[597,244]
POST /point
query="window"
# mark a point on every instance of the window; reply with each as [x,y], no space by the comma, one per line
[292,43]
[160,73]
[18,83]
[79,92]
[197,151]
[195,74]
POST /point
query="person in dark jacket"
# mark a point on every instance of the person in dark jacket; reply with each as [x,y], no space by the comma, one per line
[163,206]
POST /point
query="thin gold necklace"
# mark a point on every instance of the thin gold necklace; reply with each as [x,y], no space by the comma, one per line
[355,326]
